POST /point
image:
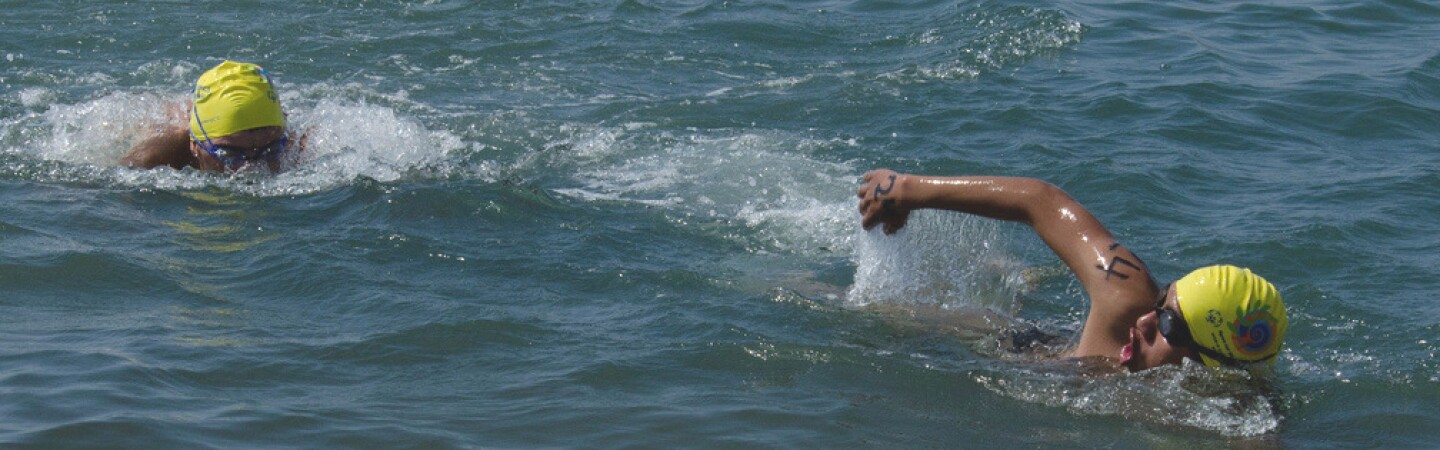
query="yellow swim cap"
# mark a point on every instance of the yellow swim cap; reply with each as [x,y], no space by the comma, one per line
[1234,312]
[234,97]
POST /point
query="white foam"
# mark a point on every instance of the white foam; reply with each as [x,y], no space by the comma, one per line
[96,132]
[349,140]
[761,180]
[34,97]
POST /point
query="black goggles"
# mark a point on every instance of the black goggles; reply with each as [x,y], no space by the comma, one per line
[1177,332]
[234,156]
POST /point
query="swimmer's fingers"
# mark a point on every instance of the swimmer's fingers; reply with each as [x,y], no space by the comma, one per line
[867,184]
[870,212]
[870,220]
[869,216]
[896,221]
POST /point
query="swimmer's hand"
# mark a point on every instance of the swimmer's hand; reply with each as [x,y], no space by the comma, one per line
[882,200]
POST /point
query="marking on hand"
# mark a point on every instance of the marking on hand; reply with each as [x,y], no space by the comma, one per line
[889,202]
[879,191]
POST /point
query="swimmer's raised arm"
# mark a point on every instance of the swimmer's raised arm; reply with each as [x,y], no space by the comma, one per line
[889,197]
[1118,283]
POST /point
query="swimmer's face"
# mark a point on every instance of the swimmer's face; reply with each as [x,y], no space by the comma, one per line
[1147,347]
[249,139]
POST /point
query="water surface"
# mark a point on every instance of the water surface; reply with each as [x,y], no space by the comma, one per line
[615,224]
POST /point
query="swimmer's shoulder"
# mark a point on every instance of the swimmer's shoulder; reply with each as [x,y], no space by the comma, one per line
[168,147]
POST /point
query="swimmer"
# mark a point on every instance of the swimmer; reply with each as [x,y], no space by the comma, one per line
[234,121]
[1218,315]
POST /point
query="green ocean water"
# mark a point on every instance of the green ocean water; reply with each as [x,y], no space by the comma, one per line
[631,223]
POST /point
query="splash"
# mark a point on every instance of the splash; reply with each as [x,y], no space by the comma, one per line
[96,132]
[353,140]
[944,259]
[1231,402]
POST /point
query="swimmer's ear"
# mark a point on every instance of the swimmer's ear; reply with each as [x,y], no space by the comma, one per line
[194,151]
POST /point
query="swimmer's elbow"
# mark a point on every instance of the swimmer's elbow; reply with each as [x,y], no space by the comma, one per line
[169,148]
[1042,199]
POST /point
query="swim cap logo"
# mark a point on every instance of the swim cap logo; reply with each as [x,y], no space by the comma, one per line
[1254,331]
[1214,318]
